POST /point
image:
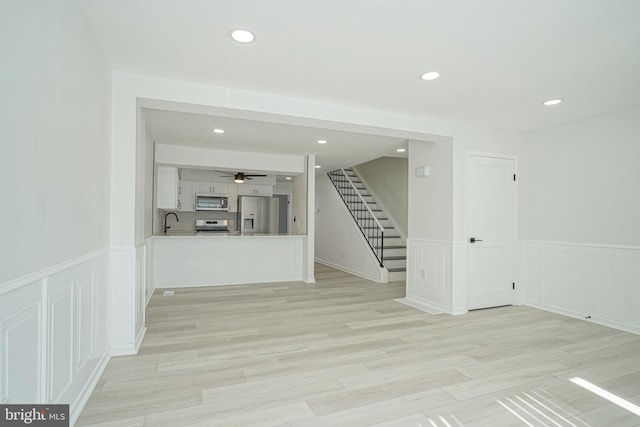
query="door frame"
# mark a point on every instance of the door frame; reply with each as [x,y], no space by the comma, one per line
[518,295]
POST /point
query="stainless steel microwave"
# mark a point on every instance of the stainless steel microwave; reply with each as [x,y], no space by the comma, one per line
[211,202]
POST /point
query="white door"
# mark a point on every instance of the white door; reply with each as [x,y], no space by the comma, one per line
[491,240]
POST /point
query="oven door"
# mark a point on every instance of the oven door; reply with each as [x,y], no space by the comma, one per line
[211,202]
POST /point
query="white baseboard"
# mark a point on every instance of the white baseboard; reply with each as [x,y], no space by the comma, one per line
[148,299]
[604,322]
[85,393]
[459,310]
[122,350]
[423,305]
[350,271]
[140,338]
[129,349]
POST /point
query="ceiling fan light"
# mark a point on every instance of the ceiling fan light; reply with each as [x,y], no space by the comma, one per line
[238,178]
[238,181]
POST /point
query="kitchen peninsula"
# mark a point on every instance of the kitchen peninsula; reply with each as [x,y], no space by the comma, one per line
[191,184]
[196,259]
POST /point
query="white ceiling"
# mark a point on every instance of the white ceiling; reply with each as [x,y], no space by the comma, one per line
[341,150]
[499,59]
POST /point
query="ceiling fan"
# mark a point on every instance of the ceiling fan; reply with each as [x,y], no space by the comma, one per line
[239,177]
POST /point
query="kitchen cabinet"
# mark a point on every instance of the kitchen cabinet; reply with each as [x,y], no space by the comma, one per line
[255,190]
[167,188]
[187,196]
[212,187]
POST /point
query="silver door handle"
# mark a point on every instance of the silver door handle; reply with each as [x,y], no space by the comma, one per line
[473,240]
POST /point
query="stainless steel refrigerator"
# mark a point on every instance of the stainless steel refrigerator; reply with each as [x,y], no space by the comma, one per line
[258,214]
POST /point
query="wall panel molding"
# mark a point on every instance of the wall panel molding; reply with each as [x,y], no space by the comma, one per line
[49,271]
[54,332]
[21,352]
[429,275]
[598,283]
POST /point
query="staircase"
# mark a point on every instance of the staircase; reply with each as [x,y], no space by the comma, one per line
[385,241]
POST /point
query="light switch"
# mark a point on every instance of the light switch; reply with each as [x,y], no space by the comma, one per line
[423,171]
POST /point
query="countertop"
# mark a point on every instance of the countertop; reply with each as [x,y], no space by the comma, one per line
[217,235]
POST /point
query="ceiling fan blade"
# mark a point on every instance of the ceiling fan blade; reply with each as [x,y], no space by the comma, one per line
[225,172]
[253,175]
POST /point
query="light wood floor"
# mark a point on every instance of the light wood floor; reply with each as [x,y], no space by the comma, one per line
[342,352]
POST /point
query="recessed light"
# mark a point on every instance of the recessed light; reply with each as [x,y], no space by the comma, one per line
[550,102]
[318,166]
[242,36]
[322,141]
[218,131]
[430,75]
[288,177]
[401,150]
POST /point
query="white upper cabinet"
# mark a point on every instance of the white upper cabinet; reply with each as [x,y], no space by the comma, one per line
[203,187]
[167,188]
[255,190]
[212,187]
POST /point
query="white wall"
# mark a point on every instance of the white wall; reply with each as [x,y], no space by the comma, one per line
[148,184]
[437,240]
[579,228]
[429,241]
[431,197]
[581,182]
[55,84]
[387,181]
[339,242]
[55,87]
[299,204]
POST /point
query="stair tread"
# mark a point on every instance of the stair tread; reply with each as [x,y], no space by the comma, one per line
[396,269]
[394,258]
[392,247]
[388,227]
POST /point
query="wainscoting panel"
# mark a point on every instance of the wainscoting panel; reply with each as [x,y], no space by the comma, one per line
[122,279]
[149,288]
[429,276]
[560,281]
[598,283]
[86,310]
[141,278]
[60,340]
[53,328]
[21,352]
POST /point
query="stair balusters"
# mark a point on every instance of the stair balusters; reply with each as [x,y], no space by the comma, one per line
[369,225]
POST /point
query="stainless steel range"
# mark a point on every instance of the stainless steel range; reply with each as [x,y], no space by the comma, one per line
[212,225]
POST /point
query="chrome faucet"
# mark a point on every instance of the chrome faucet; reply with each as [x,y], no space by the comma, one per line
[166,227]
